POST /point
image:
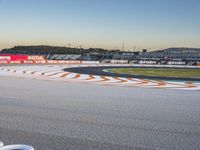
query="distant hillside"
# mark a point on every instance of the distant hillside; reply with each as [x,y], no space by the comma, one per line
[52,50]
[44,49]
[179,50]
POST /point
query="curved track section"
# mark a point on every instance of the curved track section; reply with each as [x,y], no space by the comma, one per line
[60,73]
[95,70]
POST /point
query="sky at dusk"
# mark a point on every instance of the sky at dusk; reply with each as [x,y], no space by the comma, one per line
[149,24]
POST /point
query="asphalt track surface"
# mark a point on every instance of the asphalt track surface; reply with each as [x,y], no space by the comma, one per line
[52,115]
[100,71]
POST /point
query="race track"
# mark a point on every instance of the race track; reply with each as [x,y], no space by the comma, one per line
[101,71]
[68,73]
[49,109]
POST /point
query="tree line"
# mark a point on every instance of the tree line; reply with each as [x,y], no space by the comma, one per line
[43,49]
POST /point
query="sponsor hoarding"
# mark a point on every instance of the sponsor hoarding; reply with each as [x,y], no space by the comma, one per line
[36,57]
[5,58]
[12,57]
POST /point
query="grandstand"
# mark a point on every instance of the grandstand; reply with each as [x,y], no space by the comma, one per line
[64,57]
[174,53]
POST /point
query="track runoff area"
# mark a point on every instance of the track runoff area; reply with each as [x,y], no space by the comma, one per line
[113,75]
[106,120]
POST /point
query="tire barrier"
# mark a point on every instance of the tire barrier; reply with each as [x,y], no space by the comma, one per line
[15,147]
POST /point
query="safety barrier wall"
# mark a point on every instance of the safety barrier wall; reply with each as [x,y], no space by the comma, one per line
[40,59]
[82,62]
[41,62]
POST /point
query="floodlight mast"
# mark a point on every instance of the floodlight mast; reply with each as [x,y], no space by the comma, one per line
[123,46]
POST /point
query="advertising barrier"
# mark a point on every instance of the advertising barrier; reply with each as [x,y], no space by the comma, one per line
[176,63]
[28,62]
[12,57]
[32,59]
[5,58]
[15,62]
[147,62]
[36,57]
[90,62]
[69,62]
[119,61]
[4,62]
